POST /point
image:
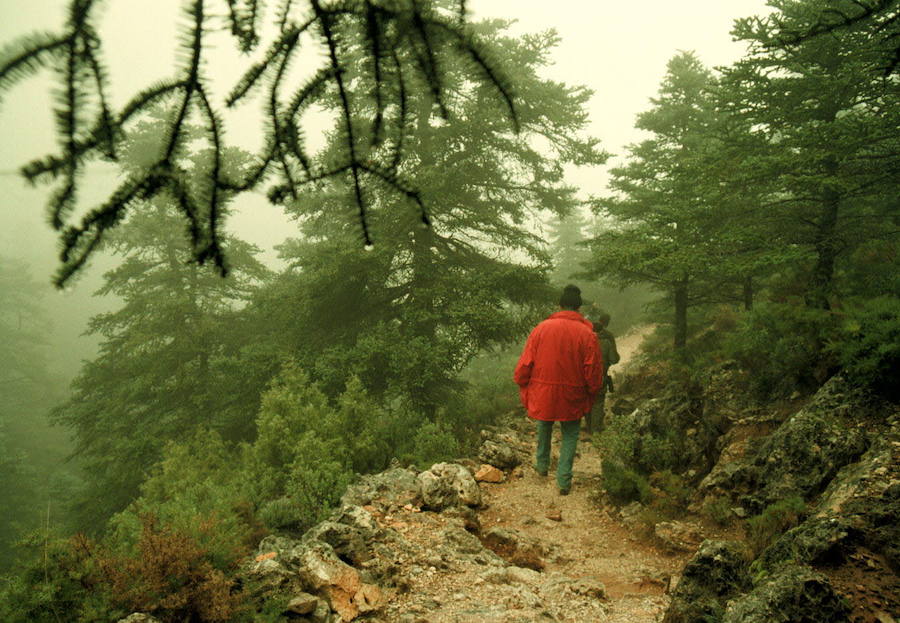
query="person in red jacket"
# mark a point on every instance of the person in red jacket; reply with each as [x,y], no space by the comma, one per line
[559,374]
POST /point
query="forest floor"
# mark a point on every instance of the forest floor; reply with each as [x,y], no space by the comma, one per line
[586,539]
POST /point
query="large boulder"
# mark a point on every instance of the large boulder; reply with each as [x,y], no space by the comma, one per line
[671,432]
[802,457]
[396,486]
[860,507]
[716,573]
[499,454]
[324,573]
[676,536]
[448,484]
[796,594]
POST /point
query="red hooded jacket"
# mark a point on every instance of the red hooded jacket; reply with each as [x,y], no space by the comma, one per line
[560,371]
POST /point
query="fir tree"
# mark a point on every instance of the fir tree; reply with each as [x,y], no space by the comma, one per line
[406,315]
[826,121]
[165,358]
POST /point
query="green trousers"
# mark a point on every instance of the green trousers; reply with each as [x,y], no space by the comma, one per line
[566,450]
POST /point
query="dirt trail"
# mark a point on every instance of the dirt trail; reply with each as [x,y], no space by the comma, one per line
[627,346]
[588,539]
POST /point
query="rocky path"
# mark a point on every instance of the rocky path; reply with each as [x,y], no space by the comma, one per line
[591,568]
[587,541]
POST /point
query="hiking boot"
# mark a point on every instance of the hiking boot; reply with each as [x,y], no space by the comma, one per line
[565,491]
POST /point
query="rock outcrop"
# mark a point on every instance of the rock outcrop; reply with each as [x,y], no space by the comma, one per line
[794,593]
[404,546]
[716,573]
[848,471]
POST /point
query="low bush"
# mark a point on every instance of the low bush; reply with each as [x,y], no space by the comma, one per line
[867,344]
[777,518]
[719,510]
[624,485]
[675,493]
[781,347]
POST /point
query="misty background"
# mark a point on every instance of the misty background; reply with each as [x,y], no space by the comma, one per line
[627,46]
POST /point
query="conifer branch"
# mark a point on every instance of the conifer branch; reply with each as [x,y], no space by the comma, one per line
[252,77]
[284,14]
[104,130]
[274,120]
[26,56]
[403,115]
[194,47]
[325,25]
[428,61]
[373,39]
[212,251]
[389,43]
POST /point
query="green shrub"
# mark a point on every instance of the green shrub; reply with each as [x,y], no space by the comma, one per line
[763,529]
[432,444]
[782,348]
[58,584]
[198,490]
[317,479]
[719,510]
[867,345]
[624,485]
[676,494]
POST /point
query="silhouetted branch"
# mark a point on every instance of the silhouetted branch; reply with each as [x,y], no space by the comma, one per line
[391,47]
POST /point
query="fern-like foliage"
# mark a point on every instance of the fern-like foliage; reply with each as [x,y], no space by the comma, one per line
[403,46]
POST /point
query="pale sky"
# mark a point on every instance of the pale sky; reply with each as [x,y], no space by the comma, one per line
[617,48]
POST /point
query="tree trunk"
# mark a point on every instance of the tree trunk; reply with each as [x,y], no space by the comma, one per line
[825,244]
[681,307]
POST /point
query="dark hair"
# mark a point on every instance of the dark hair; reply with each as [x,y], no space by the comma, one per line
[571,297]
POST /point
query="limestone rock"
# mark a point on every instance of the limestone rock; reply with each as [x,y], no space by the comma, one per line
[515,547]
[325,573]
[349,544]
[679,535]
[448,484]
[304,603]
[523,575]
[139,617]
[489,473]
[590,587]
[793,594]
[499,454]
[270,571]
[459,542]
[368,598]
[467,515]
[716,573]
[396,486]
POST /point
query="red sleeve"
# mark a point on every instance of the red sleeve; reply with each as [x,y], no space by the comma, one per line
[522,374]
